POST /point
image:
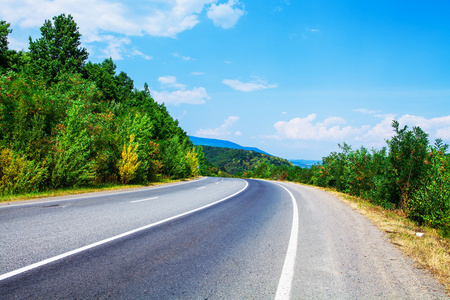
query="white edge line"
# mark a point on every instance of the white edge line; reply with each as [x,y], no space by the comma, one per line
[287,274]
[64,255]
[142,200]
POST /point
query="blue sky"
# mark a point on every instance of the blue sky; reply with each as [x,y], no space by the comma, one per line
[293,78]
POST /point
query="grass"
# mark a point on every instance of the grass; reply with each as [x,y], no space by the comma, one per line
[431,251]
[80,190]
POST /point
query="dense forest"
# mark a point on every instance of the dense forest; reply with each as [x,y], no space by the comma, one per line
[65,121]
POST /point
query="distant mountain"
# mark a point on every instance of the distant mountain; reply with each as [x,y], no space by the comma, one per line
[223,144]
[303,163]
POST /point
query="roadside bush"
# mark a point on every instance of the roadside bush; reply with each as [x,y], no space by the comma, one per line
[20,175]
[431,203]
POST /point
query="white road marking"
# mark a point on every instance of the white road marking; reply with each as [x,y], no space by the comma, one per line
[148,199]
[287,274]
[67,254]
[201,188]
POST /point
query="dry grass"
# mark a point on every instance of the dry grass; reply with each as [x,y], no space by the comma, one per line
[431,251]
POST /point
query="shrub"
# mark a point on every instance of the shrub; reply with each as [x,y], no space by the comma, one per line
[129,163]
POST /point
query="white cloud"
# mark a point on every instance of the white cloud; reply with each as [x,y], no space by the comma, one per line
[197,95]
[333,129]
[171,81]
[248,86]
[115,47]
[426,124]
[443,133]
[102,20]
[378,134]
[307,129]
[221,131]
[226,15]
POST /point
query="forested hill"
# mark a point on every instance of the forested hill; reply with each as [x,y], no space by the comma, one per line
[238,161]
[222,144]
[65,121]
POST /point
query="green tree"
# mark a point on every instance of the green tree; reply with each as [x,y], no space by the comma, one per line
[4,31]
[58,50]
[430,204]
[407,154]
[118,88]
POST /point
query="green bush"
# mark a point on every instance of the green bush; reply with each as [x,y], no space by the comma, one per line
[431,203]
[18,175]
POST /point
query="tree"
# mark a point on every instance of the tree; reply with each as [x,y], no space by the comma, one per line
[58,50]
[408,151]
[4,31]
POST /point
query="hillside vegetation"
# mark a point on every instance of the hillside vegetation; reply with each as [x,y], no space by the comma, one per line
[239,162]
[67,122]
[410,175]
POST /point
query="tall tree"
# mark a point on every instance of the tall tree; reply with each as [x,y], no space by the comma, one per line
[4,31]
[407,154]
[58,51]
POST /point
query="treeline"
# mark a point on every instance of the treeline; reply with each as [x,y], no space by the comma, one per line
[237,162]
[68,122]
[409,174]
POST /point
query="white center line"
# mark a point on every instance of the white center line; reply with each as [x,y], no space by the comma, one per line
[148,199]
[287,274]
[201,188]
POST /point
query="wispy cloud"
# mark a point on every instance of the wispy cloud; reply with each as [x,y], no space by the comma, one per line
[365,111]
[171,81]
[197,95]
[248,86]
[221,131]
[185,58]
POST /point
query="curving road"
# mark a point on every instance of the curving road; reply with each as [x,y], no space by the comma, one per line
[211,238]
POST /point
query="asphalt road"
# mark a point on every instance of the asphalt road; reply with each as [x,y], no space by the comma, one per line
[212,238]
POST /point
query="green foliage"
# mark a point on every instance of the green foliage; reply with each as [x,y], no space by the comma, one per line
[118,88]
[408,151]
[17,174]
[71,159]
[58,51]
[430,204]
[4,31]
[66,123]
[175,161]
[236,161]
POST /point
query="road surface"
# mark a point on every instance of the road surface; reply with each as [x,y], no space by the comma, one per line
[212,238]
